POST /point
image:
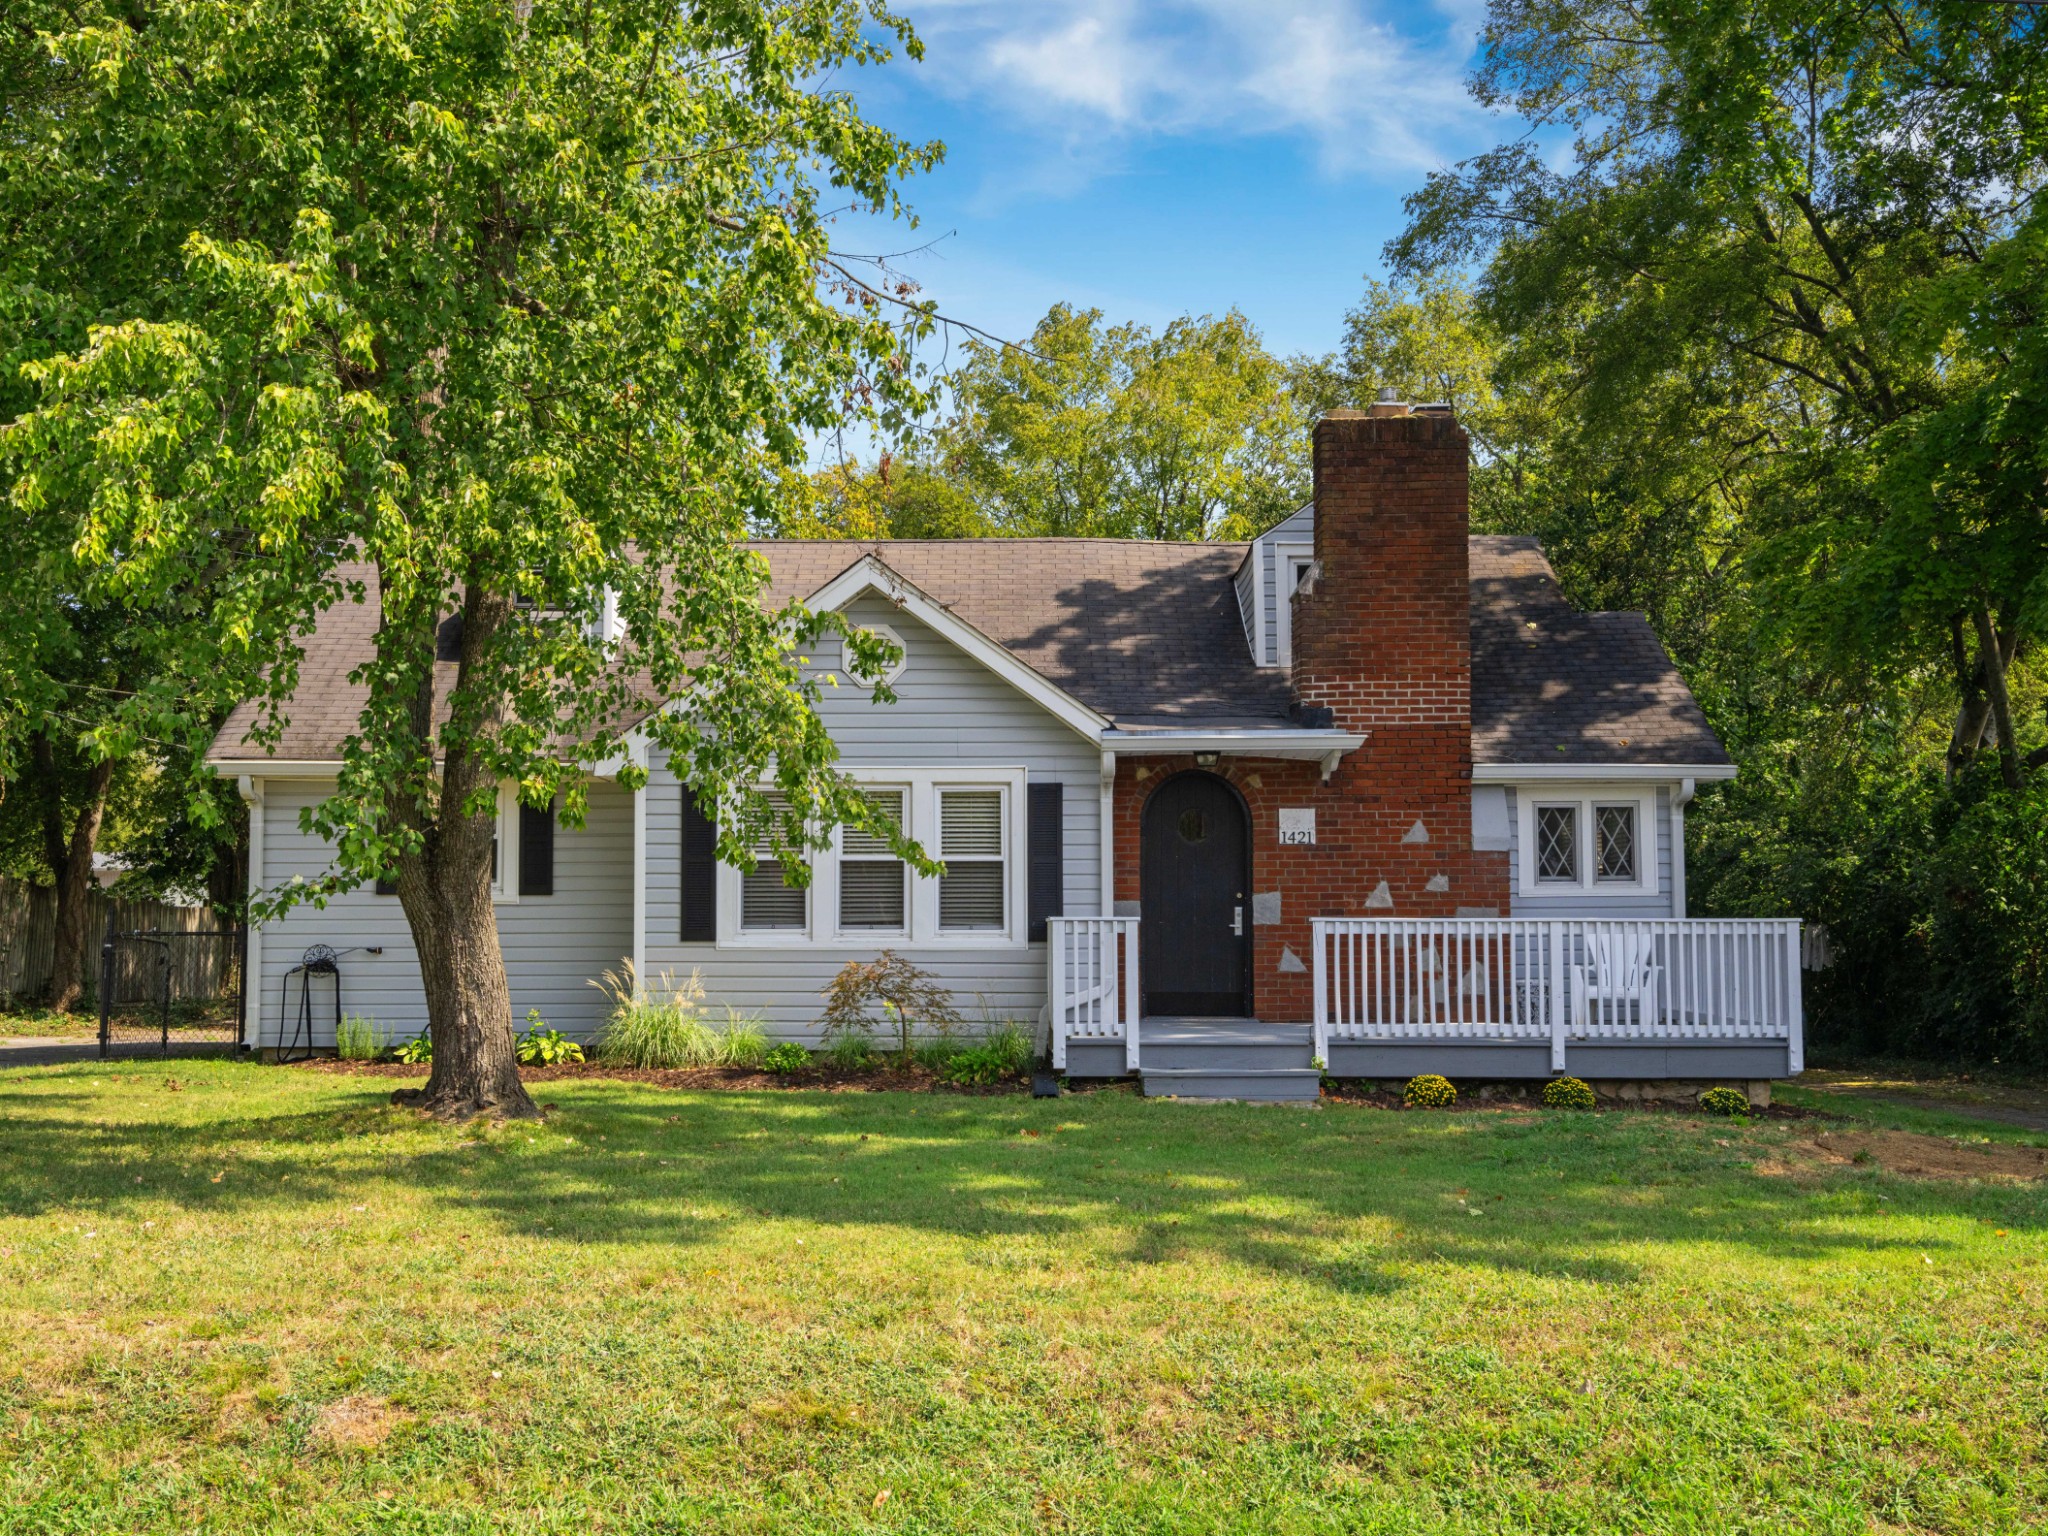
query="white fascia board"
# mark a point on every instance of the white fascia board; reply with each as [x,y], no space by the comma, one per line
[869,574]
[1311,745]
[1599,773]
[276,767]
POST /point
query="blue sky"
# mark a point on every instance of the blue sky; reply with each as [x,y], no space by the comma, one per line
[1175,156]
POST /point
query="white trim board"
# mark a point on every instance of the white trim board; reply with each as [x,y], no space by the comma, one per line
[1602,773]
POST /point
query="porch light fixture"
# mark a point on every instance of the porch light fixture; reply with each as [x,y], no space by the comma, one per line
[1206,759]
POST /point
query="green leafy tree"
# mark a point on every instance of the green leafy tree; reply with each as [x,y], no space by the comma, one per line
[521,311]
[1778,315]
[1751,272]
[1118,431]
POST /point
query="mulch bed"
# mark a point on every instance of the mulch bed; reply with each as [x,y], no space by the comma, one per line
[1522,1096]
[892,1079]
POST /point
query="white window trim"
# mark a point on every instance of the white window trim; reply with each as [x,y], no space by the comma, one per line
[505,885]
[889,673]
[1284,558]
[921,786]
[1583,798]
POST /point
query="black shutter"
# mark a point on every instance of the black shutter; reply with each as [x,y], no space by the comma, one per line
[537,850]
[1047,839]
[700,873]
[386,887]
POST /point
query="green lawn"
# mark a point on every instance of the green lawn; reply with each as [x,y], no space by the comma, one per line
[265,1301]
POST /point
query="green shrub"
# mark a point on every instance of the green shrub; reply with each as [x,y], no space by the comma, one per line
[1004,1052]
[1429,1091]
[1569,1093]
[357,1038]
[541,1046]
[785,1058]
[851,1053]
[1725,1101]
[418,1050]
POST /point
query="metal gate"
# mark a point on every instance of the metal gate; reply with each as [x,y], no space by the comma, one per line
[166,991]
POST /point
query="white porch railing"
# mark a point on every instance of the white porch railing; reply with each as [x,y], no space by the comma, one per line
[1093,965]
[1557,979]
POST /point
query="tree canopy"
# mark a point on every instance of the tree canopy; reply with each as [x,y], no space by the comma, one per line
[1772,332]
[520,313]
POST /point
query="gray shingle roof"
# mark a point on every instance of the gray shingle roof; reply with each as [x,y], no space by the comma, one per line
[1149,635]
[1552,684]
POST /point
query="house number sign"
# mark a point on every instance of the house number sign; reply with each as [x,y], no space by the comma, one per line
[1297,828]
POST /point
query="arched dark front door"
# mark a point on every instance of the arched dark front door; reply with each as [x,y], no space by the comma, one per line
[1194,875]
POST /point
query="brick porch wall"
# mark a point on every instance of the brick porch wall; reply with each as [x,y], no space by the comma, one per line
[1360,824]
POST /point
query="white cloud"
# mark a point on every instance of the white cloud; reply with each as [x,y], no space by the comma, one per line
[1375,88]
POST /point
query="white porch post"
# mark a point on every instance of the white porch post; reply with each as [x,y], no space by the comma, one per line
[251,790]
[1557,998]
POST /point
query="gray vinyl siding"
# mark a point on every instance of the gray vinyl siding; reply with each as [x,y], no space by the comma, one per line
[553,945]
[950,713]
[1298,528]
[1579,901]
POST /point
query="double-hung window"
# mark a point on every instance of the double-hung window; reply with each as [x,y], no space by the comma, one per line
[973,838]
[863,895]
[768,902]
[873,882]
[1573,839]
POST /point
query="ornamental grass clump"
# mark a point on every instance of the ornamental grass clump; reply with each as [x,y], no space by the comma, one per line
[1569,1093]
[656,1024]
[1725,1101]
[1429,1091]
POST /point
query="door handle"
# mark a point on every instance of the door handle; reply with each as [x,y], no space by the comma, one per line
[1237,921]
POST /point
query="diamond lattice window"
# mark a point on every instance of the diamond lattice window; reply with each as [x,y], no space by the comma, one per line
[1557,842]
[1614,841]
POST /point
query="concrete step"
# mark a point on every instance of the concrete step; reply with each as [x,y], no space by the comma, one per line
[1281,1085]
[1214,1054]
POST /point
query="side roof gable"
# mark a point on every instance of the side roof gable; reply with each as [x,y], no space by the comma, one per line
[871,574]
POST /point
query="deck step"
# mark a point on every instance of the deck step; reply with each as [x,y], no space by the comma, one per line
[1278,1085]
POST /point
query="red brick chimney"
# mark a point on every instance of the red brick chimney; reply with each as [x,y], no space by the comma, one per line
[1382,639]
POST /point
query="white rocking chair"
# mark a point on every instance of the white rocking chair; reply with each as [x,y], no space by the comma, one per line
[1621,970]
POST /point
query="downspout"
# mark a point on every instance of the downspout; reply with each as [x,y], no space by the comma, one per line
[251,790]
[1107,836]
[636,753]
[1680,799]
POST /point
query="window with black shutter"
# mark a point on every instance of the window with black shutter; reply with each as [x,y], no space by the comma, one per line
[537,850]
[1046,805]
[700,873]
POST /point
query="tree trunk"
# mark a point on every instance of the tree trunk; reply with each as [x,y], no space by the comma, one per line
[74,885]
[1991,649]
[469,1001]
[445,889]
